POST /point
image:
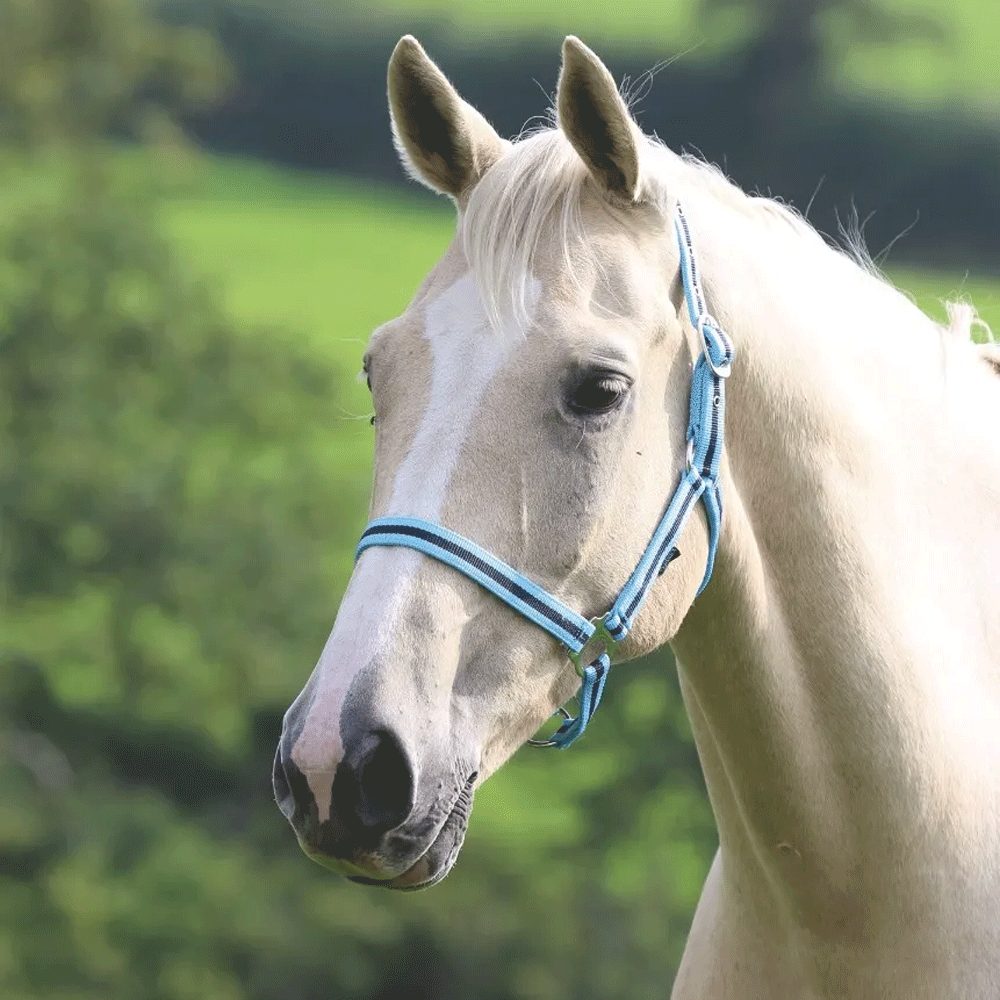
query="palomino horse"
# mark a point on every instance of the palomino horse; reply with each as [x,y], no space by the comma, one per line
[535,406]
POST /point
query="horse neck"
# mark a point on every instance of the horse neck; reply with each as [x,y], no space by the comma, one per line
[837,669]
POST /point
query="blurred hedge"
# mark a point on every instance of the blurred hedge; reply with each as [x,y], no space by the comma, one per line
[310,92]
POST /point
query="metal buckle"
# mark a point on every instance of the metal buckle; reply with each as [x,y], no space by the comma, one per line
[608,644]
[603,637]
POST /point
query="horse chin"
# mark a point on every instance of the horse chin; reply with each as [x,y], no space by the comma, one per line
[436,861]
[364,865]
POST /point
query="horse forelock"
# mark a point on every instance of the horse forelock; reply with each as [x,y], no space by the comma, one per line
[536,186]
[535,193]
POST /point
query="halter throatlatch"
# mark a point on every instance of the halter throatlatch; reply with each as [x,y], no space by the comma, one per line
[699,481]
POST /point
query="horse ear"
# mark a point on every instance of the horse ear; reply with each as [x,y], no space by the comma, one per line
[597,122]
[442,141]
[990,353]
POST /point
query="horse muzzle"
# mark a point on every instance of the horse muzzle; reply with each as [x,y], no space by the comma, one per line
[364,820]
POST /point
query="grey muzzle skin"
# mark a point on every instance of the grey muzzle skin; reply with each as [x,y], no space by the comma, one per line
[373,834]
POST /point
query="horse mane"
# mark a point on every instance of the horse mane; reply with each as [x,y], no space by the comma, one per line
[963,321]
[537,186]
[536,189]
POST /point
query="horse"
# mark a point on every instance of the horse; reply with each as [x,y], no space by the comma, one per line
[535,411]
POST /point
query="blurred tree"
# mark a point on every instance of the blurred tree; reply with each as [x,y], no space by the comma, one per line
[71,70]
[795,42]
[160,502]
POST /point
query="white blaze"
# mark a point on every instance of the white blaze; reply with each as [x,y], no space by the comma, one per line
[466,354]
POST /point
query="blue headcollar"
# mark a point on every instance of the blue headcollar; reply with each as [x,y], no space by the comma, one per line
[700,480]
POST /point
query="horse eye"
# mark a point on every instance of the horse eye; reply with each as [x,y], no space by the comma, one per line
[368,382]
[598,393]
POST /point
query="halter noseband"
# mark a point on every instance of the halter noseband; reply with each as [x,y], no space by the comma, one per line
[700,480]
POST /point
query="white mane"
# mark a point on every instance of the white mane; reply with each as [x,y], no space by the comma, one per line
[536,189]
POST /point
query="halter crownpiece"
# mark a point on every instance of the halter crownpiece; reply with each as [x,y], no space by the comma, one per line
[700,480]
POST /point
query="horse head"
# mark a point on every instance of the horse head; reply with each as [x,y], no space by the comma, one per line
[532,398]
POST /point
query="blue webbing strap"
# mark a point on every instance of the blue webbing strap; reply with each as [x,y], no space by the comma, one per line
[505,582]
[706,423]
[589,697]
[699,481]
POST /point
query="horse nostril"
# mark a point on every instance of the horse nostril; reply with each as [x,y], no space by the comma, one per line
[374,784]
[282,790]
[291,790]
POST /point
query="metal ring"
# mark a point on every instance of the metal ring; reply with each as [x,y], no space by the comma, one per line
[550,742]
[706,319]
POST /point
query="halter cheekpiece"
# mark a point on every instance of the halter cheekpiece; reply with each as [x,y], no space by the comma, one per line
[700,480]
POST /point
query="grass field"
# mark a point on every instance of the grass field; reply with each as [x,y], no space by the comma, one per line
[326,260]
[958,67]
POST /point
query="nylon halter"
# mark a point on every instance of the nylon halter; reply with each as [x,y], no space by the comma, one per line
[699,481]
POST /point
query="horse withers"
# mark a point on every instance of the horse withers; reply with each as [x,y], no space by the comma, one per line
[535,405]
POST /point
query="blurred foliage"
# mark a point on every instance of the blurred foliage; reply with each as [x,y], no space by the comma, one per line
[177,511]
[71,69]
[930,52]
[799,42]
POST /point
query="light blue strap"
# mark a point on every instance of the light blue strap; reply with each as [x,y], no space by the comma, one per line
[494,575]
[660,551]
[699,481]
[717,346]
[706,425]
[514,589]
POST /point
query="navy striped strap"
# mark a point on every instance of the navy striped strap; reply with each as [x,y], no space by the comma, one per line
[505,582]
[699,481]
